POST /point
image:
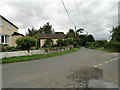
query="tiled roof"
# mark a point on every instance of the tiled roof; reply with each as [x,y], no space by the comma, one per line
[52,36]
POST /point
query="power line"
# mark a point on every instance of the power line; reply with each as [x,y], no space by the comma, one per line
[77,6]
[67,12]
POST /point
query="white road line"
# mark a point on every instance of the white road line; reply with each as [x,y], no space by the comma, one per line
[106,62]
[95,66]
[99,64]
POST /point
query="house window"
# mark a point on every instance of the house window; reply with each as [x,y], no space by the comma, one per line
[8,25]
[1,22]
[4,39]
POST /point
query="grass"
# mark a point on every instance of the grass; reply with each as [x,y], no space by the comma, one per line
[103,49]
[34,57]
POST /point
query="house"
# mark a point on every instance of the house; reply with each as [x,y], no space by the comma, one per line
[54,37]
[8,32]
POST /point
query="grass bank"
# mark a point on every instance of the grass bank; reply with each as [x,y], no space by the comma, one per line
[34,57]
[103,49]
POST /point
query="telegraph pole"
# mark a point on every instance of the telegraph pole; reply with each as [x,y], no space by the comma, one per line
[75,32]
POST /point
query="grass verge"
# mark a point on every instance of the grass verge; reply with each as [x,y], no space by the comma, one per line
[104,49]
[34,57]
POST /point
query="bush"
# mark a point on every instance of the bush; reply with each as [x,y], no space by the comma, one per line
[60,42]
[25,43]
[70,40]
[113,46]
[8,48]
[48,43]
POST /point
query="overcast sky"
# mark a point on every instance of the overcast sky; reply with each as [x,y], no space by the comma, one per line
[97,17]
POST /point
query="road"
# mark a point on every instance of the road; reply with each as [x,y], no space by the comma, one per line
[52,72]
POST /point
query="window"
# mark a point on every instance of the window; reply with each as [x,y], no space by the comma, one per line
[8,25]
[1,22]
[4,39]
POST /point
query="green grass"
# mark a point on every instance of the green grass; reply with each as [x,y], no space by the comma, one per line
[34,57]
[103,49]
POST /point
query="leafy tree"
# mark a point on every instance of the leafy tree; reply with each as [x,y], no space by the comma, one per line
[47,29]
[79,31]
[26,43]
[83,39]
[70,40]
[90,38]
[115,34]
[48,43]
[71,34]
[31,32]
[60,42]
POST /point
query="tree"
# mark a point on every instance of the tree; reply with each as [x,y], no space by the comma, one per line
[59,32]
[60,42]
[71,33]
[79,31]
[26,43]
[31,32]
[90,38]
[115,34]
[47,29]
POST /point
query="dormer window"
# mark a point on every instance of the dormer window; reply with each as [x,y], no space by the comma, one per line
[8,25]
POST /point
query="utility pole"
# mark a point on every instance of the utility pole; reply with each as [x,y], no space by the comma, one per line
[75,32]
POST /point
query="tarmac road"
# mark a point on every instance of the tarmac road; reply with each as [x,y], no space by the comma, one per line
[52,72]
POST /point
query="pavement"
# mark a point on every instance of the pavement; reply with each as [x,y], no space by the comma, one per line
[52,72]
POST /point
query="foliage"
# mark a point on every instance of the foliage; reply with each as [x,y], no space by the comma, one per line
[90,38]
[70,34]
[113,46]
[115,34]
[70,40]
[26,43]
[60,42]
[31,32]
[83,39]
[33,57]
[47,29]
[104,45]
[59,32]
[8,48]
[79,31]
[48,43]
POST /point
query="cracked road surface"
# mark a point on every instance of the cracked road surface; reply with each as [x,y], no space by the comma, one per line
[52,72]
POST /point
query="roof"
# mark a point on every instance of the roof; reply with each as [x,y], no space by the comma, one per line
[16,33]
[9,22]
[52,36]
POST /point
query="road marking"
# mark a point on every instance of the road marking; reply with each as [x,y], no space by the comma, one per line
[107,62]
[99,64]
[95,66]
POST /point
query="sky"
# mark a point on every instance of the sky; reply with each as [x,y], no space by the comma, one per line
[97,17]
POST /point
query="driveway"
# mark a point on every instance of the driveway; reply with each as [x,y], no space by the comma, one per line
[52,72]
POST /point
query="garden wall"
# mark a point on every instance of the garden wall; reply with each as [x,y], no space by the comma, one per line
[32,52]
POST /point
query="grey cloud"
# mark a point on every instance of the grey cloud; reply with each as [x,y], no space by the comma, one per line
[95,17]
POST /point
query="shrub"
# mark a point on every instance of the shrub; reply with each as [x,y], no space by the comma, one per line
[26,43]
[114,46]
[48,43]
[70,40]
[8,48]
[60,42]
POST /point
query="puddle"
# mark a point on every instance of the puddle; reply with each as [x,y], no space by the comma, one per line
[101,84]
